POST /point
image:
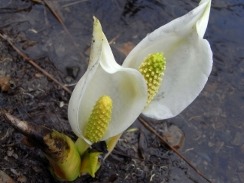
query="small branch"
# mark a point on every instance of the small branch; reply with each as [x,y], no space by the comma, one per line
[30,130]
[56,14]
[28,59]
[147,126]
[64,159]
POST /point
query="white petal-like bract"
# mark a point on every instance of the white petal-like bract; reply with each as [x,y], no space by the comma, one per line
[125,86]
[188,57]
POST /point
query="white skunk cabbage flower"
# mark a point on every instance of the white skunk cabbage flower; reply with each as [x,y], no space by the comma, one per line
[160,77]
[108,98]
[188,57]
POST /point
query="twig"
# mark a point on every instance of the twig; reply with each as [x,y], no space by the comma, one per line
[74,3]
[114,39]
[145,124]
[60,20]
[28,59]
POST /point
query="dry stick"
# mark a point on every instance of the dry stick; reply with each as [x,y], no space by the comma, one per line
[60,20]
[28,59]
[73,3]
[145,124]
[58,17]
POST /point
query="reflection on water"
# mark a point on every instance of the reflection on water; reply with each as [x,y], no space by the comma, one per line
[213,124]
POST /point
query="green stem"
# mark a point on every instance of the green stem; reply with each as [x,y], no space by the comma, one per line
[81,145]
[63,156]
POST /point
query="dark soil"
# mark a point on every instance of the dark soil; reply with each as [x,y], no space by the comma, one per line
[29,95]
[212,124]
[138,157]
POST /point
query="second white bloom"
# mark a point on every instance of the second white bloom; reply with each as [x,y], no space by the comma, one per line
[188,61]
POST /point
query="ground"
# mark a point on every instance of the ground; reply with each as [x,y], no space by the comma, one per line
[212,125]
[138,157]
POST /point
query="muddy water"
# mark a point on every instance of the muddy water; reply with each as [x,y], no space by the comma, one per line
[213,124]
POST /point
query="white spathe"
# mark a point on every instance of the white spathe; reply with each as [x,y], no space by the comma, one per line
[189,63]
[188,57]
[125,86]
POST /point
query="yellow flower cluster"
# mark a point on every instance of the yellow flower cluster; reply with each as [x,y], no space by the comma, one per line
[99,119]
[152,68]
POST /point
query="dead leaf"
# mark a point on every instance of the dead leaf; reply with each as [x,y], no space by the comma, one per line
[4,83]
[4,178]
[125,48]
